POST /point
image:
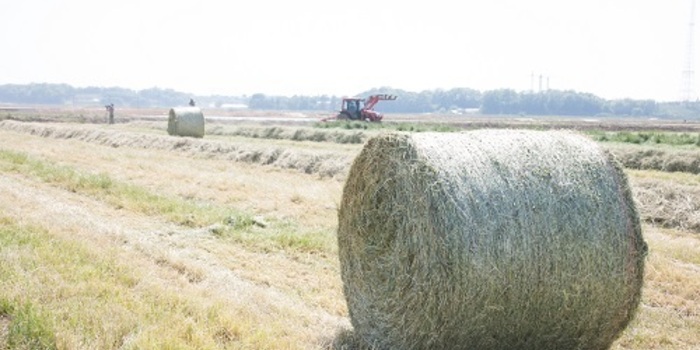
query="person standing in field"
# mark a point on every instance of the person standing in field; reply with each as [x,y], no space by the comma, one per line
[110,109]
[191,102]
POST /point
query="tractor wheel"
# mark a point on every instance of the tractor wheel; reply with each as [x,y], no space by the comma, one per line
[344,116]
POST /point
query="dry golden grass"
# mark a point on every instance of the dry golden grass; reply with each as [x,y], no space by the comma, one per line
[669,317]
[138,281]
[110,279]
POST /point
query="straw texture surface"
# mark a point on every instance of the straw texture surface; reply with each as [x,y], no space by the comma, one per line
[491,239]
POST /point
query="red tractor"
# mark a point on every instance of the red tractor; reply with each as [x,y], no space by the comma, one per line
[362,109]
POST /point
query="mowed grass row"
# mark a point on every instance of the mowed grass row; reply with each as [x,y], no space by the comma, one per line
[322,159]
[676,211]
[62,293]
[167,315]
[222,221]
[358,132]
[668,318]
[333,148]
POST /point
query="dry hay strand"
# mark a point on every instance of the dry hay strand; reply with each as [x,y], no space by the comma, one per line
[489,240]
[186,121]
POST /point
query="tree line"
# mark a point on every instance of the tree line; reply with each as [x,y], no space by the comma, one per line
[67,95]
[565,103]
[457,100]
[493,102]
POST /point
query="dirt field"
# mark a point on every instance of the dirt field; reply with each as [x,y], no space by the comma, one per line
[262,274]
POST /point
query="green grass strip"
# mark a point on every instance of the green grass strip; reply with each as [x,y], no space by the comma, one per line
[29,328]
[226,222]
[118,194]
[647,137]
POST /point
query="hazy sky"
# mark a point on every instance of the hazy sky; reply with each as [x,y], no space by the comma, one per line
[612,48]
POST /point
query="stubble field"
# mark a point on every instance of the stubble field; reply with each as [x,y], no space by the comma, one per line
[122,237]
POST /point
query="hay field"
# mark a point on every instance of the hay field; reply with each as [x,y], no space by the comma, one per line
[122,237]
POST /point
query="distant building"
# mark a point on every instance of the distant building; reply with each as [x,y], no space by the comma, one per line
[86,100]
[234,106]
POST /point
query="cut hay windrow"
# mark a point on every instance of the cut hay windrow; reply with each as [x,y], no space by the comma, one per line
[668,205]
[292,133]
[322,163]
[655,158]
[186,121]
[491,239]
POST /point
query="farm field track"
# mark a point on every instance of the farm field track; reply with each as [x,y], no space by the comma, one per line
[254,263]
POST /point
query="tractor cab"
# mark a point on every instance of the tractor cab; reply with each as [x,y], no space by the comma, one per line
[352,108]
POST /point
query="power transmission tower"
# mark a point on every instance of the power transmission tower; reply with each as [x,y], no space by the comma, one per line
[688,89]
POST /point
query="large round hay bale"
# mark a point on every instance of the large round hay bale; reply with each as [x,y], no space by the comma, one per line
[186,121]
[489,240]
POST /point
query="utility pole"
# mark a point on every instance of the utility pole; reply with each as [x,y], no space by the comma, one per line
[688,88]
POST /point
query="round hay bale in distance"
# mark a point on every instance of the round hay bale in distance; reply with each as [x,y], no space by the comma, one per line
[186,121]
[490,239]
